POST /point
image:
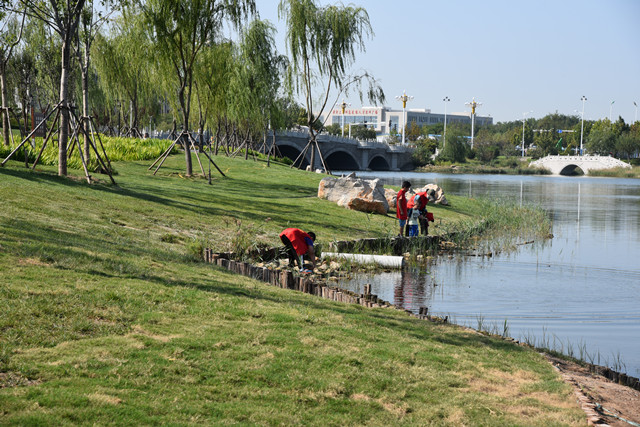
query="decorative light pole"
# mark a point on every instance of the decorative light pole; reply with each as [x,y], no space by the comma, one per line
[523,121]
[583,99]
[404,98]
[473,104]
[343,105]
[444,136]
[611,109]
[636,117]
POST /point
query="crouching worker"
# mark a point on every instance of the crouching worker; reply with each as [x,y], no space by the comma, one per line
[298,243]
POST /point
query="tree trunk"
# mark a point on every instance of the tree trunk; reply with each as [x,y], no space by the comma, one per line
[85,110]
[64,117]
[185,129]
[136,121]
[131,117]
[172,134]
[6,123]
[201,123]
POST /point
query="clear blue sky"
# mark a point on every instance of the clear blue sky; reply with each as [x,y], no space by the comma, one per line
[513,56]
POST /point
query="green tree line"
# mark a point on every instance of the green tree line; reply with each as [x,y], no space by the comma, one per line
[553,134]
[171,64]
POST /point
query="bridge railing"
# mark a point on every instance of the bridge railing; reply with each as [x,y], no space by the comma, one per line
[608,161]
[324,137]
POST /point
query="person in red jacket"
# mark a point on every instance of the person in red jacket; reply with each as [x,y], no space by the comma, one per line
[424,199]
[298,243]
[401,205]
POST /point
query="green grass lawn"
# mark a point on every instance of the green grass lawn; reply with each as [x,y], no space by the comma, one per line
[108,316]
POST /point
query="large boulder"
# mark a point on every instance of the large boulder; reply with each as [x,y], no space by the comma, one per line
[391,196]
[436,194]
[365,195]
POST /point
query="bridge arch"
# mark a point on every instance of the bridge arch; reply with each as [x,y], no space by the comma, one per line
[341,160]
[379,163]
[292,152]
[571,169]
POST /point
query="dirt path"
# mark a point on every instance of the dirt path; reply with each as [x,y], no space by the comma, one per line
[600,397]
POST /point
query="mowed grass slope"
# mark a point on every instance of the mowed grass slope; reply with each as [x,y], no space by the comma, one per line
[107,316]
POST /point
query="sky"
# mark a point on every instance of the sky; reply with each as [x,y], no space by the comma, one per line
[515,57]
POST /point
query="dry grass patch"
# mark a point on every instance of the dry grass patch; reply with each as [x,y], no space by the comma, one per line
[104,399]
[139,330]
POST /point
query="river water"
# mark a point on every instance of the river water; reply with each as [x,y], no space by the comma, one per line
[578,293]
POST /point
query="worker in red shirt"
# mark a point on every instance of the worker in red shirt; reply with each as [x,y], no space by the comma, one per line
[401,205]
[424,223]
[298,243]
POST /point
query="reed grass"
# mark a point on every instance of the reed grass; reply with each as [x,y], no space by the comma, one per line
[634,172]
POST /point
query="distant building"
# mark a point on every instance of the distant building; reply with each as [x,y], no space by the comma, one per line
[385,118]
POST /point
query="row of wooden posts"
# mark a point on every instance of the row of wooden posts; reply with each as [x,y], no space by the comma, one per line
[285,279]
[616,377]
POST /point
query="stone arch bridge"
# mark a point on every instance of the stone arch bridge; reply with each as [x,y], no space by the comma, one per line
[345,153]
[565,165]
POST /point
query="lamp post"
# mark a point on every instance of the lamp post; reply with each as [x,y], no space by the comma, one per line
[444,136]
[404,98]
[610,109]
[523,121]
[636,116]
[583,99]
[473,104]
[343,105]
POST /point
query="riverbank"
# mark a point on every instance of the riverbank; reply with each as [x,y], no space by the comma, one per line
[501,166]
[109,315]
[515,166]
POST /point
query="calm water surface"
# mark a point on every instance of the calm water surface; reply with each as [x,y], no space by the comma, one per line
[578,292]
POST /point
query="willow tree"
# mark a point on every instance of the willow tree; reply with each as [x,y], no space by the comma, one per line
[10,34]
[256,79]
[213,79]
[179,30]
[63,17]
[322,42]
[90,23]
[123,68]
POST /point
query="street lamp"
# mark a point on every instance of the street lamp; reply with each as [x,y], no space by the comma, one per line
[636,117]
[404,98]
[583,99]
[610,109]
[444,136]
[473,104]
[523,121]
[343,105]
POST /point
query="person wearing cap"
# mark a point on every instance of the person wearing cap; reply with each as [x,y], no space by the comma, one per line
[298,243]
[401,205]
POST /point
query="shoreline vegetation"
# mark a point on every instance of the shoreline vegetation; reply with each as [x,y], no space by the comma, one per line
[109,314]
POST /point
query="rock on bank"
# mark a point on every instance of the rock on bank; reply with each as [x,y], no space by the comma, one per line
[365,195]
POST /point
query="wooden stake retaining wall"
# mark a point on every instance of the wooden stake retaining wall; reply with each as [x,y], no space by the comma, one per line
[286,280]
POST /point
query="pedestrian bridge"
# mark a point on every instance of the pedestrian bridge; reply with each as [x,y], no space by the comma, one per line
[565,165]
[345,153]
